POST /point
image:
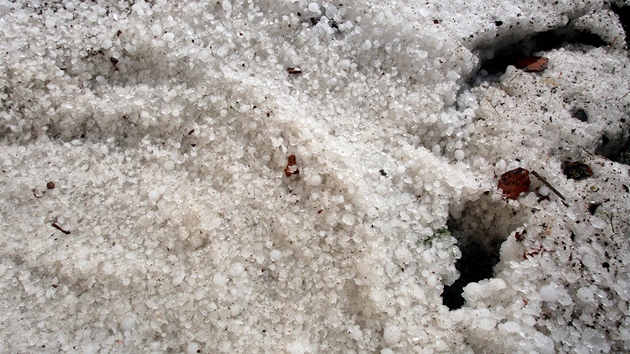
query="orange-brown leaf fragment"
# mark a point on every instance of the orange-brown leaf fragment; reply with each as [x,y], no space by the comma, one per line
[532,63]
[291,168]
[514,182]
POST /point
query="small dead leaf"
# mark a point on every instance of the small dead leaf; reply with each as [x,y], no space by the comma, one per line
[291,168]
[532,63]
[576,170]
[514,182]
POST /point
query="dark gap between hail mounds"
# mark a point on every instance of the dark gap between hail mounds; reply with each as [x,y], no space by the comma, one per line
[510,53]
[480,229]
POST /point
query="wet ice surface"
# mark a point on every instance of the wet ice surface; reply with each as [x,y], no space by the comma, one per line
[167,131]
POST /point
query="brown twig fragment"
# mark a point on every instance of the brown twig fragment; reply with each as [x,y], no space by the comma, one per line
[291,168]
[502,88]
[620,98]
[493,107]
[58,227]
[543,180]
[294,71]
[514,77]
[610,47]
[552,83]
[588,152]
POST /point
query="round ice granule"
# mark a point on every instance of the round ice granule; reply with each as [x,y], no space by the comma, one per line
[227,6]
[376,295]
[169,165]
[348,219]
[275,255]
[472,291]
[381,189]
[192,348]
[529,320]
[363,267]
[90,348]
[459,155]
[313,7]
[355,332]
[594,339]
[104,149]
[530,200]
[549,292]
[387,351]
[402,254]
[154,195]
[219,279]
[509,327]
[497,284]
[50,22]
[598,222]
[390,269]
[586,294]
[108,268]
[128,322]
[236,269]
[543,190]
[486,324]
[392,334]
[156,29]
[315,180]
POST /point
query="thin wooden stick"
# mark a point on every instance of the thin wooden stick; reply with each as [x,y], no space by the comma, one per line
[588,152]
[543,180]
[493,107]
[620,98]
[58,227]
[611,45]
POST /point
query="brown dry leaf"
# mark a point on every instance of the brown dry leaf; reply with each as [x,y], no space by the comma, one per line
[532,63]
[291,168]
[514,182]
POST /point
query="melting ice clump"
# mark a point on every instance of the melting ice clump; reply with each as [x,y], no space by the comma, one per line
[172,224]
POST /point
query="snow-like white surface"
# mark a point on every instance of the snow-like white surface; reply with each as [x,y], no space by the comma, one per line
[166,128]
